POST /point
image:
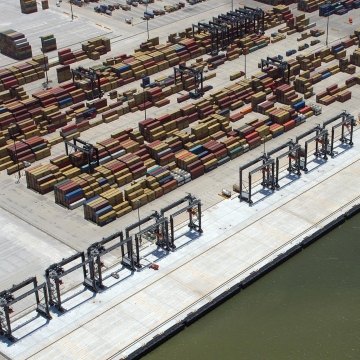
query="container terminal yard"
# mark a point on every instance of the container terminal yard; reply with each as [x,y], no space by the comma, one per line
[158,157]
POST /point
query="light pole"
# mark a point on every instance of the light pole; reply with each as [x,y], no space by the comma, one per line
[245,66]
[245,52]
[144,105]
[232,5]
[71,8]
[147,20]
[264,140]
[327,25]
[12,130]
[144,83]
[138,212]
[327,30]
[45,66]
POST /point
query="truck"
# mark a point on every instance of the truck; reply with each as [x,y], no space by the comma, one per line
[149,14]
[315,108]
[87,114]
[77,2]
[103,9]
[159,12]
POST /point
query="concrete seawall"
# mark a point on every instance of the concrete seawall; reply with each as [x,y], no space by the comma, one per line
[235,289]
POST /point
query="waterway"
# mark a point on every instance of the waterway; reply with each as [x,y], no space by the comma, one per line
[308,308]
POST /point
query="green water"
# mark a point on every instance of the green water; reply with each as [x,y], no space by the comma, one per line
[308,308]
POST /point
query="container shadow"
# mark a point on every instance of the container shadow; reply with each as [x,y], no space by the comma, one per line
[36,316]
[191,235]
[265,192]
[131,273]
[291,177]
[317,161]
[9,343]
[74,295]
[153,257]
[158,253]
[343,148]
[76,305]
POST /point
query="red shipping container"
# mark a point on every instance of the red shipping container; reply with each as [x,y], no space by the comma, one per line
[197,172]
[251,136]
[194,165]
[220,154]
[289,125]
[254,142]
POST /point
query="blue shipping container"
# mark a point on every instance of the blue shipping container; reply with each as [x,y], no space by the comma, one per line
[74,194]
[103,211]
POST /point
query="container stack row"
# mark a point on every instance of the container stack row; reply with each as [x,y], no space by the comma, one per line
[355,57]
[180,51]
[15,45]
[159,166]
[204,109]
[278,2]
[30,150]
[92,49]
[338,7]
[309,5]
[44,4]
[48,43]
[163,55]
[63,73]
[333,93]
[28,6]
[42,178]
[233,97]
[339,49]
[286,94]
[67,56]
[21,74]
